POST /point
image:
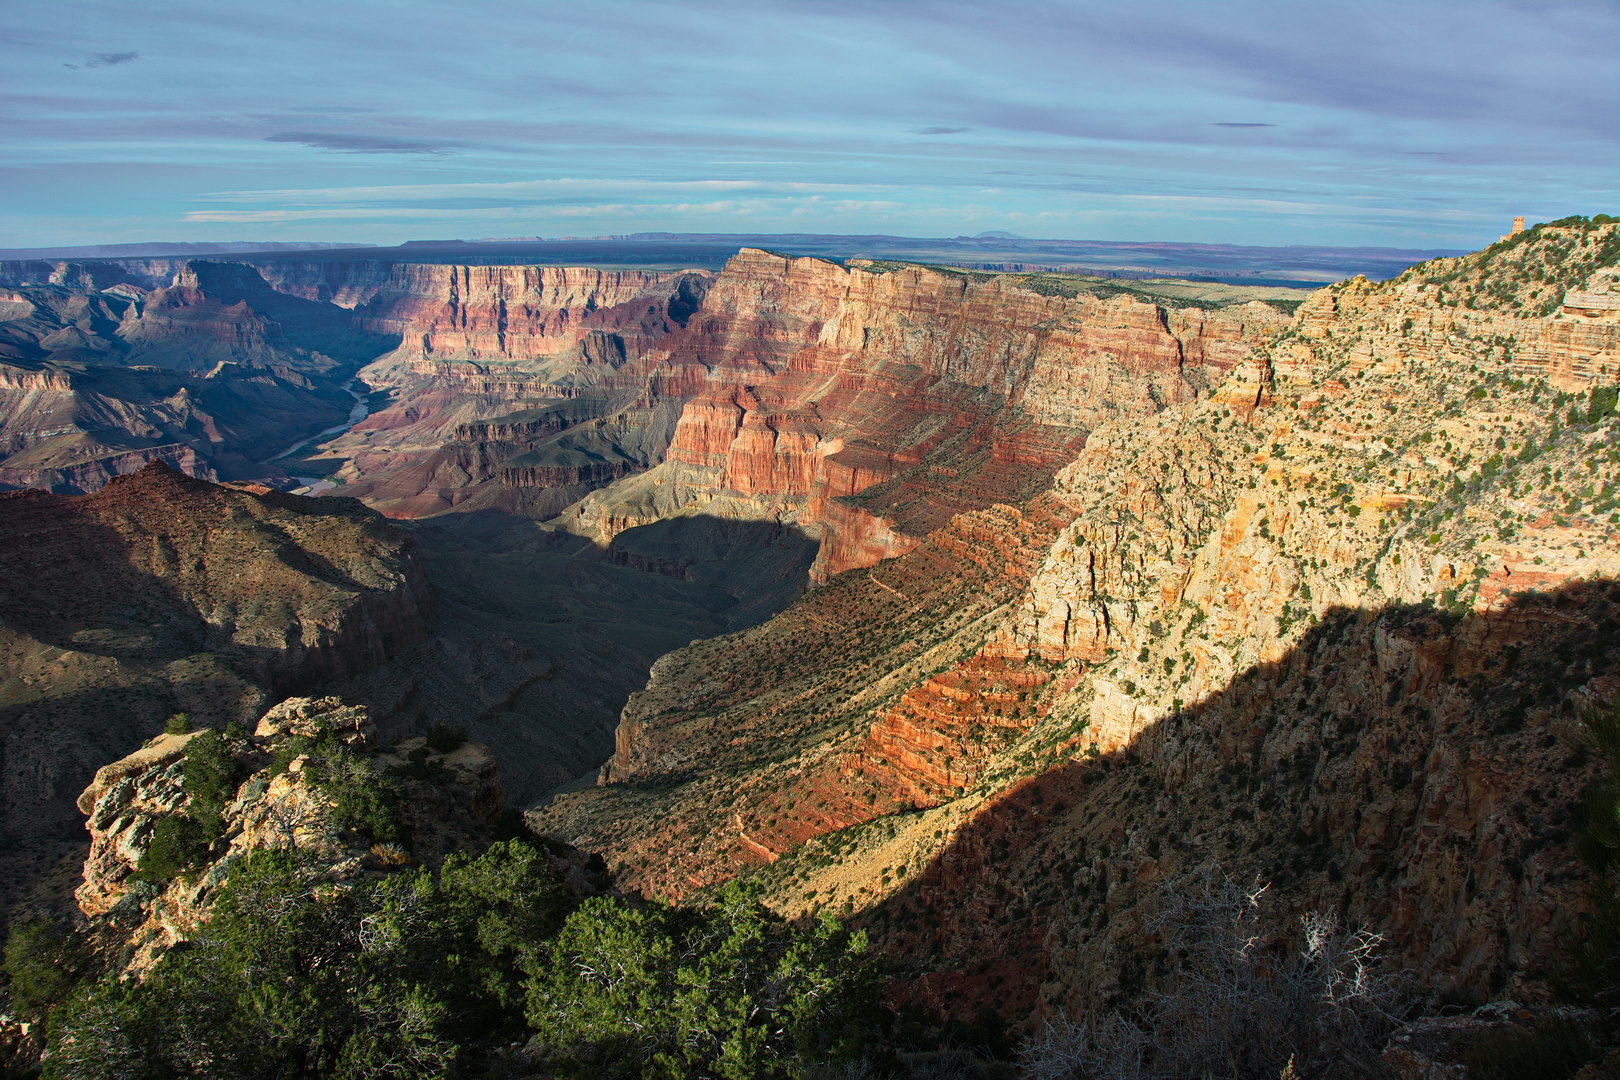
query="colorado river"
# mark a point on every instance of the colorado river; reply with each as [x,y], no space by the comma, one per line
[314,485]
[356,414]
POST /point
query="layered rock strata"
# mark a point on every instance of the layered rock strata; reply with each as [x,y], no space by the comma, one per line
[498,313]
[874,405]
[518,387]
[212,372]
[750,743]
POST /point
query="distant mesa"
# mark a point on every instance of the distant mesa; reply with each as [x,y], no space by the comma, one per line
[996,250]
[158,249]
[436,243]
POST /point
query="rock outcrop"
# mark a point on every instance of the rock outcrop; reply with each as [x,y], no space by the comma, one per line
[447,803]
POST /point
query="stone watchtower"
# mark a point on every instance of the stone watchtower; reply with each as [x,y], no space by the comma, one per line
[1518,227]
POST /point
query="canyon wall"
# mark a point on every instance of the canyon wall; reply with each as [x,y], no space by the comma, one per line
[515,387]
[211,371]
[868,407]
[864,407]
[530,312]
[1330,623]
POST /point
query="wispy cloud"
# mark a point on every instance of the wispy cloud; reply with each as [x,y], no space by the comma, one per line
[1048,118]
[360,144]
[105,59]
[521,190]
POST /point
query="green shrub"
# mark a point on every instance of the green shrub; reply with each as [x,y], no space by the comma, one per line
[293,748]
[42,965]
[1594,965]
[401,977]
[418,767]
[363,799]
[730,991]
[178,844]
[1602,403]
[211,776]
[178,724]
[442,738]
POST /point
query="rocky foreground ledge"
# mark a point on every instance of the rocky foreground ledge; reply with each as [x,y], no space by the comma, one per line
[310,778]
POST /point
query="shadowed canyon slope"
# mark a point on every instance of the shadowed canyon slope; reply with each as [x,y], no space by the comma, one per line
[1326,622]
[159,594]
[162,593]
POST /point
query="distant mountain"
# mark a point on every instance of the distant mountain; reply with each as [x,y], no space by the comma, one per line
[154,249]
[1296,266]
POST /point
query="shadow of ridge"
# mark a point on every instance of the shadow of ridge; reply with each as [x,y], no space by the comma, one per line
[761,562]
[112,648]
[1407,769]
[73,574]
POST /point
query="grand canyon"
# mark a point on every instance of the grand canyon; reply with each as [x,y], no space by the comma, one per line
[982,611]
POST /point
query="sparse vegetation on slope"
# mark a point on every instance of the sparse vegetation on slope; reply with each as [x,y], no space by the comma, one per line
[1528,273]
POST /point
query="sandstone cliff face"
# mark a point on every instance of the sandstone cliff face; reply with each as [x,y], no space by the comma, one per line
[524,387]
[1328,624]
[271,810]
[161,593]
[1510,295]
[213,312]
[528,312]
[932,393]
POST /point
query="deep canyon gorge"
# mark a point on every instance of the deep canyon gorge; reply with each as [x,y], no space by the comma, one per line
[969,607]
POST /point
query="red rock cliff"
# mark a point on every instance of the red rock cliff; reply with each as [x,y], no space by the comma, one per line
[870,407]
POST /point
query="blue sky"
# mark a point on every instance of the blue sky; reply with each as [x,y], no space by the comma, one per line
[1394,124]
